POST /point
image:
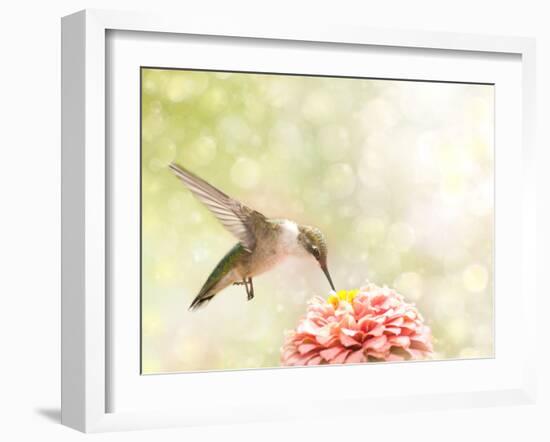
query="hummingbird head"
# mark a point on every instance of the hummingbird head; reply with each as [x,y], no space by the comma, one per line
[313,241]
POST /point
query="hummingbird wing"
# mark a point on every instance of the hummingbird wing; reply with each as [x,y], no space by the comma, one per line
[239,219]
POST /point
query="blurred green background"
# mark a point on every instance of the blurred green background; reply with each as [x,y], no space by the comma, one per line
[397,174]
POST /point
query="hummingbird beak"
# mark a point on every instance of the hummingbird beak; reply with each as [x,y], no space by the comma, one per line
[327,274]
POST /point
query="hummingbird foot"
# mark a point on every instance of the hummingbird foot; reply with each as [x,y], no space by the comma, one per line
[249,289]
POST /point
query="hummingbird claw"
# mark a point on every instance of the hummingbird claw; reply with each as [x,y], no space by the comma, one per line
[249,289]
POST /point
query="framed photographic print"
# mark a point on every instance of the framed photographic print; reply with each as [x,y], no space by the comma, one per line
[252,213]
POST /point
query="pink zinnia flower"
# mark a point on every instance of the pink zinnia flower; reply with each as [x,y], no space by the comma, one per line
[370,324]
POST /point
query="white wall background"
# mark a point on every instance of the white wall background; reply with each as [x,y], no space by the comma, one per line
[30,221]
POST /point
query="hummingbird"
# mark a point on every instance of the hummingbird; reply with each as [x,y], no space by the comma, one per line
[263,242]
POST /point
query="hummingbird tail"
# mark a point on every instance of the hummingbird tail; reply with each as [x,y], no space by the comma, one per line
[221,277]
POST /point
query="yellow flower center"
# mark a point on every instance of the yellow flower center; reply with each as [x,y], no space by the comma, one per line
[342,295]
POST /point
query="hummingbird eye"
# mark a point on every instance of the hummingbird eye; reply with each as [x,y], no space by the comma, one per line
[316,252]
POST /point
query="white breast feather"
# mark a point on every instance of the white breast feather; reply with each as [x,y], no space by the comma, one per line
[289,238]
[287,245]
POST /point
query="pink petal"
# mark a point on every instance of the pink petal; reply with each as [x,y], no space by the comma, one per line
[315,360]
[394,358]
[293,359]
[304,359]
[402,341]
[331,353]
[397,321]
[393,330]
[376,354]
[418,354]
[365,323]
[376,331]
[306,348]
[408,324]
[347,341]
[356,357]
[326,341]
[308,326]
[418,345]
[340,358]
[375,343]
[324,331]
[348,331]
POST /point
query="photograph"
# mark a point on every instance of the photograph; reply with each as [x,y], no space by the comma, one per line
[295,220]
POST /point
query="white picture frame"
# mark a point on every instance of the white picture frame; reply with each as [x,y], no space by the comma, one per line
[86,206]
